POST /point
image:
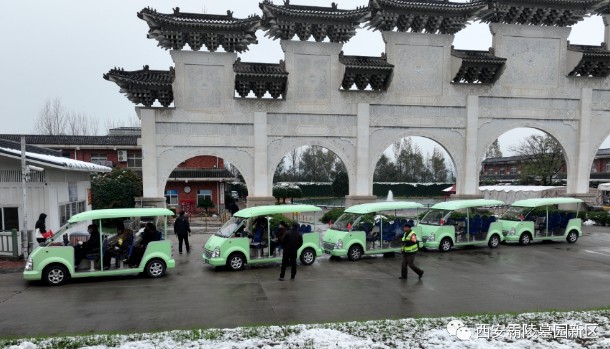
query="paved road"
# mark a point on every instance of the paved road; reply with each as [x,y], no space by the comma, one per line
[507,279]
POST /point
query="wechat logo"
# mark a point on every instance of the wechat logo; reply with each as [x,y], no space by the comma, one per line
[458,329]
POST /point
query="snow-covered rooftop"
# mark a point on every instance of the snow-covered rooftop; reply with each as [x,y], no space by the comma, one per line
[54,161]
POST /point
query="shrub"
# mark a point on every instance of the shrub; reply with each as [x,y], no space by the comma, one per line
[332,215]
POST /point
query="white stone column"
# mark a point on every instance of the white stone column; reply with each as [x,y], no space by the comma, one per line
[468,179]
[362,190]
[260,155]
[580,168]
[149,153]
[606,19]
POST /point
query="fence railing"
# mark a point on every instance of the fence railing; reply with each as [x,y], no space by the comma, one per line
[10,243]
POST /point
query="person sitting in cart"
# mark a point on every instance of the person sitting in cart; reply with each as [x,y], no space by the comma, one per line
[90,246]
[118,245]
[149,234]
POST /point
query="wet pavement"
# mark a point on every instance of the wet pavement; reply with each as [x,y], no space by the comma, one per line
[510,278]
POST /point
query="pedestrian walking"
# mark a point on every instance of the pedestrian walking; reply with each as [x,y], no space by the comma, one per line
[291,242]
[409,250]
[40,228]
[182,229]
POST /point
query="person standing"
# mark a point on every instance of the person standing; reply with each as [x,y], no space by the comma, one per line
[409,250]
[40,228]
[291,243]
[182,229]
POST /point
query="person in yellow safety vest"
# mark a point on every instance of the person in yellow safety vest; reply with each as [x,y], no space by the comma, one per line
[409,250]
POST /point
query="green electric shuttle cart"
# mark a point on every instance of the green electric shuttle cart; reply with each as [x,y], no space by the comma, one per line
[460,223]
[53,261]
[542,219]
[372,228]
[238,242]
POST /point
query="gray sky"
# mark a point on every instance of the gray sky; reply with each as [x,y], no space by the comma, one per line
[61,48]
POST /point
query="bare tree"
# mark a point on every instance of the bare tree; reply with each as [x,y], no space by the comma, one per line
[542,158]
[494,150]
[295,157]
[132,121]
[51,118]
[54,119]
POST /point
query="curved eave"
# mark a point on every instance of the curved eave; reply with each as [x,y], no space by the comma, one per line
[200,22]
[312,12]
[559,13]
[432,7]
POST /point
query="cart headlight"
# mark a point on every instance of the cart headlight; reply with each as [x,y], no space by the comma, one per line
[216,253]
[430,238]
[511,231]
[339,244]
[29,265]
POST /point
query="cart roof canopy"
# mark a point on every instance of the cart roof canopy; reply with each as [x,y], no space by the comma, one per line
[383,206]
[119,213]
[272,209]
[460,204]
[545,202]
[604,186]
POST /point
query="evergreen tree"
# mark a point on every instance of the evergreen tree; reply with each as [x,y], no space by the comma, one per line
[385,170]
[437,166]
[494,150]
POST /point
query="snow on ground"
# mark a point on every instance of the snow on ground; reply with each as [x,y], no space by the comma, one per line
[558,330]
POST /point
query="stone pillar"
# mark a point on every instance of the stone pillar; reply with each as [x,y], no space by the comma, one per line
[362,193]
[579,170]
[262,193]
[606,19]
[149,153]
[468,178]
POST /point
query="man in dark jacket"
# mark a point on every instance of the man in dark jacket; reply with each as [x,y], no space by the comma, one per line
[42,228]
[291,243]
[182,229]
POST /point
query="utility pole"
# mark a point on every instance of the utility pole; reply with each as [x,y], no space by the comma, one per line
[25,174]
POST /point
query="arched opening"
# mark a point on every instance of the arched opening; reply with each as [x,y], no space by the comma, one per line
[310,174]
[599,179]
[205,185]
[413,167]
[524,156]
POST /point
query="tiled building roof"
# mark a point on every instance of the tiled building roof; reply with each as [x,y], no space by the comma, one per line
[284,21]
[560,13]
[364,71]
[442,17]
[174,30]
[10,144]
[478,66]
[145,86]
[51,140]
[260,78]
[594,61]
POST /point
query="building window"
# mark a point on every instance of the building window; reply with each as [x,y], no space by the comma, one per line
[202,195]
[171,197]
[9,218]
[593,168]
[513,170]
[490,171]
[134,160]
[501,171]
[70,209]
[607,166]
[96,158]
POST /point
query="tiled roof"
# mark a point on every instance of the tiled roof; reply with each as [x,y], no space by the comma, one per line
[54,161]
[595,61]
[182,173]
[10,144]
[262,69]
[365,62]
[174,30]
[286,21]
[561,13]
[144,86]
[481,67]
[443,17]
[73,140]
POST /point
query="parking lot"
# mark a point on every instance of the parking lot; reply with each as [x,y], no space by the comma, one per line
[510,278]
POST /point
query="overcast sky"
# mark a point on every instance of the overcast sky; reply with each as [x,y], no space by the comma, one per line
[61,48]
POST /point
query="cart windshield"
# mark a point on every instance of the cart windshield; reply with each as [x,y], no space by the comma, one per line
[435,217]
[230,227]
[515,214]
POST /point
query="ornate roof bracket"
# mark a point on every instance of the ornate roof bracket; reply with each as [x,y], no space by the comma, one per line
[175,30]
[588,61]
[284,22]
[260,78]
[144,86]
[476,67]
[366,72]
[559,13]
[437,17]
